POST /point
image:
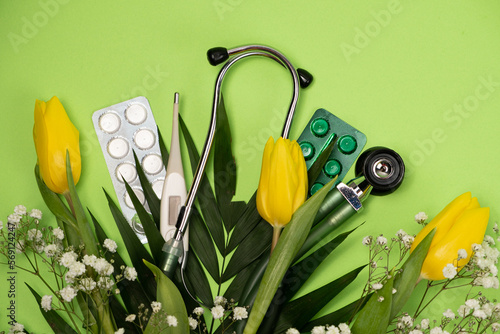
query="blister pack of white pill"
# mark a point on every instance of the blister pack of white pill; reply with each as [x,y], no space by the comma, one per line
[122,129]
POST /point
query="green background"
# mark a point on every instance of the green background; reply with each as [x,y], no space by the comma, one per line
[420,77]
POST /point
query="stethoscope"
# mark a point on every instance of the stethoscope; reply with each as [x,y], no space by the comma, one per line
[173,249]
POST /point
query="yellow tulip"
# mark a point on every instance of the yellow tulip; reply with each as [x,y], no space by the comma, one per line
[459,225]
[54,134]
[283,183]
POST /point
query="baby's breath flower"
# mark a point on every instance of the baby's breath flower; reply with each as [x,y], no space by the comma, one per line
[421,217]
[1,224]
[424,323]
[198,311]
[20,210]
[58,233]
[292,331]
[472,304]
[46,303]
[35,213]
[110,245]
[380,299]
[408,240]
[219,300]
[171,321]
[463,311]
[407,321]
[217,312]
[332,330]
[479,314]
[193,323]
[344,329]
[68,258]
[87,284]
[68,293]
[156,307]
[34,234]
[367,241]
[130,318]
[436,330]
[416,331]
[449,314]
[76,269]
[377,286]
[318,330]
[449,271]
[381,240]
[462,254]
[105,283]
[240,313]
[89,260]
[103,267]
[394,291]
[130,273]
[14,219]
[17,328]
[120,331]
[50,250]
[495,327]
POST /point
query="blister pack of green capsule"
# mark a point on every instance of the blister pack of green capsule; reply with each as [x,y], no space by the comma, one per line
[323,129]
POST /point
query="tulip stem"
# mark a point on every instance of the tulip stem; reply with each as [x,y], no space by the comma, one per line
[276,236]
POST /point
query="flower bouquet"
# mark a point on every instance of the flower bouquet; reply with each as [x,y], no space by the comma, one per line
[248,260]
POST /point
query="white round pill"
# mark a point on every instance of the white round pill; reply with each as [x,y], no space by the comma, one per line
[126,171]
[152,164]
[118,147]
[136,114]
[144,139]
[109,122]
[158,187]
[140,197]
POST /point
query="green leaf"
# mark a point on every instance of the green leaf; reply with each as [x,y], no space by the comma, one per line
[135,248]
[245,224]
[288,245]
[342,315]
[82,222]
[149,193]
[235,288]
[224,165]
[153,235]
[171,300]
[301,310]
[250,249]
[201,242]
[163,149]
[374,318]
[205,196]
[197,281]
[406,280]
[56,323]
[316,168]
[134,293]
[299,273]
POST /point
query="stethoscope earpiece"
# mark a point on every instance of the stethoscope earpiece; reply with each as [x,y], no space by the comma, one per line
[217,56]
[305,78]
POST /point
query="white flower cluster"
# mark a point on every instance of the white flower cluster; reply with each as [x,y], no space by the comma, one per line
[16,329]
[328,329]
[484,263]
[221,310]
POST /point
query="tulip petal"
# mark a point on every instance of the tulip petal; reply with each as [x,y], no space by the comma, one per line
[469,229]
[54,135]
[283,181]
[444,220]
